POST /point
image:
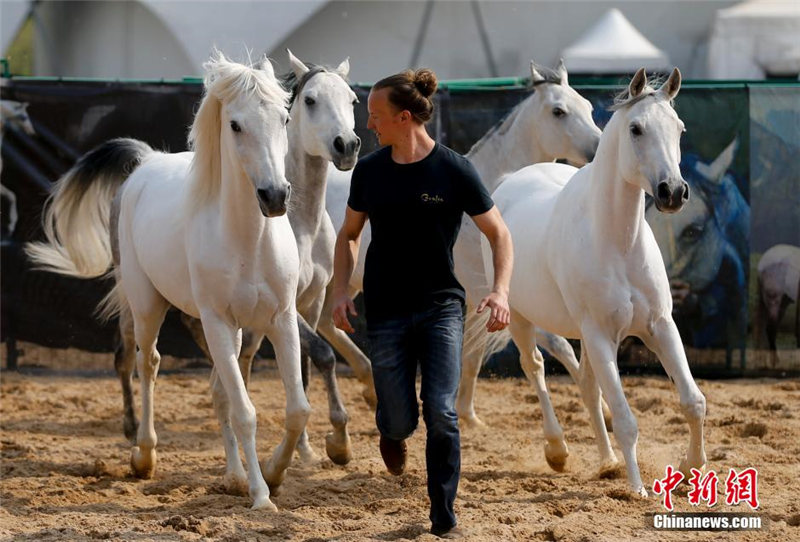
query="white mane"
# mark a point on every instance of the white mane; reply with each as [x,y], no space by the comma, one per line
[224,81]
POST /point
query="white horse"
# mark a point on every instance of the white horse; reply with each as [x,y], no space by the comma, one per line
[553,122]
[588,266]
[778,287]
[203,231]
[320,131]
[13,114]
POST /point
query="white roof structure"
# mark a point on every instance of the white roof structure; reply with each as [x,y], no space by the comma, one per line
[613,45]
[754,39]
[12,13]
[231,25]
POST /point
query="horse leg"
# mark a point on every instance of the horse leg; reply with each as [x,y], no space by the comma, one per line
[337,442]
[666,343]
[224,343]
[124,362]
[304,449]
[590,392]
[235,479]
[524,335]
[147,319]
[251,342]
[286,342]
[602,352]
[560,349]
[475,338]
[344,345]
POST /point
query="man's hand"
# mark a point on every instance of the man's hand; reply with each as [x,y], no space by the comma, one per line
[501,314]
[342,305]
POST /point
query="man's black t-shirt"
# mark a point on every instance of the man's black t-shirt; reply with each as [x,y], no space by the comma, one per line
[415,213]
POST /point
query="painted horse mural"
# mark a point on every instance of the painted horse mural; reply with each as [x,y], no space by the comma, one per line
[706,250]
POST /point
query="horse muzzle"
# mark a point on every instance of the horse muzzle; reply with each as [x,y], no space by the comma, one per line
[670,196]
[345,152]
[274,201]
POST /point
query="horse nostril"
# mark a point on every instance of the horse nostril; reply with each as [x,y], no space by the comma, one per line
[262,195]
[685,195]
[663,192]
[358,144]
[338,144]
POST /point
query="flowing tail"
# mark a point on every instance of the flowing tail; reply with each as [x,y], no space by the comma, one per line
[77,213]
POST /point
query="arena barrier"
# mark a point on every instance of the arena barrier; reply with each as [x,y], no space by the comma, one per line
[740,154]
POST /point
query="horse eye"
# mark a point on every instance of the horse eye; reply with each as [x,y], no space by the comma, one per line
[692,232]
[636,129]
[288,118]
[558,112]
[310,101]
[235,126]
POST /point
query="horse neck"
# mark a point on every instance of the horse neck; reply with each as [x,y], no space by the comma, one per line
[308,175]
[240,217]
[512,146]
[616,206]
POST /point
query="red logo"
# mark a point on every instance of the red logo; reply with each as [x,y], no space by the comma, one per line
[739,487]
[703,489]
[742,487]
[665,486]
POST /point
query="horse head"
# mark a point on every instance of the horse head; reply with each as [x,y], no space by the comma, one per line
[16,114]
[322,111]
[649,131]
[561,119]
[242,119]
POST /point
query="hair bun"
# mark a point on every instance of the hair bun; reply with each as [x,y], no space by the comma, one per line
[425,81]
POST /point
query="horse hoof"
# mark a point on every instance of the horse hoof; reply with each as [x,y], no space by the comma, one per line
[340,453]
[641,492]
[235,484]
[130,427]
[368,393]
[556,456]
[472,422]
[273,476]
[143,463]
[307,456]
[686,467]
[263,503]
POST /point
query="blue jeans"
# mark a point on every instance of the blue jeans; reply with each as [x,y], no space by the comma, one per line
[432,338]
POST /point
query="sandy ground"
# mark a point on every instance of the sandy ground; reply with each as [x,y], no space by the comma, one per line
[65,473]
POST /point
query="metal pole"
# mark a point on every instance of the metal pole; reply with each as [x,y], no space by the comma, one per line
[487,49]
[423,31]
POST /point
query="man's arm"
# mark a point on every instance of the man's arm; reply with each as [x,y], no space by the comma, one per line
[494,228]
[344,258]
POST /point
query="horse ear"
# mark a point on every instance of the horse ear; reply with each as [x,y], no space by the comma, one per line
[672,85]
[536,77]
[266,65]
[715,171]
[638,83]
[298,67]
[561,70]
[344,68]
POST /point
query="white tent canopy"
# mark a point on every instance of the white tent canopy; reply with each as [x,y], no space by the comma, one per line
[754,39]
[613,45]
[12,15]
[231,25]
